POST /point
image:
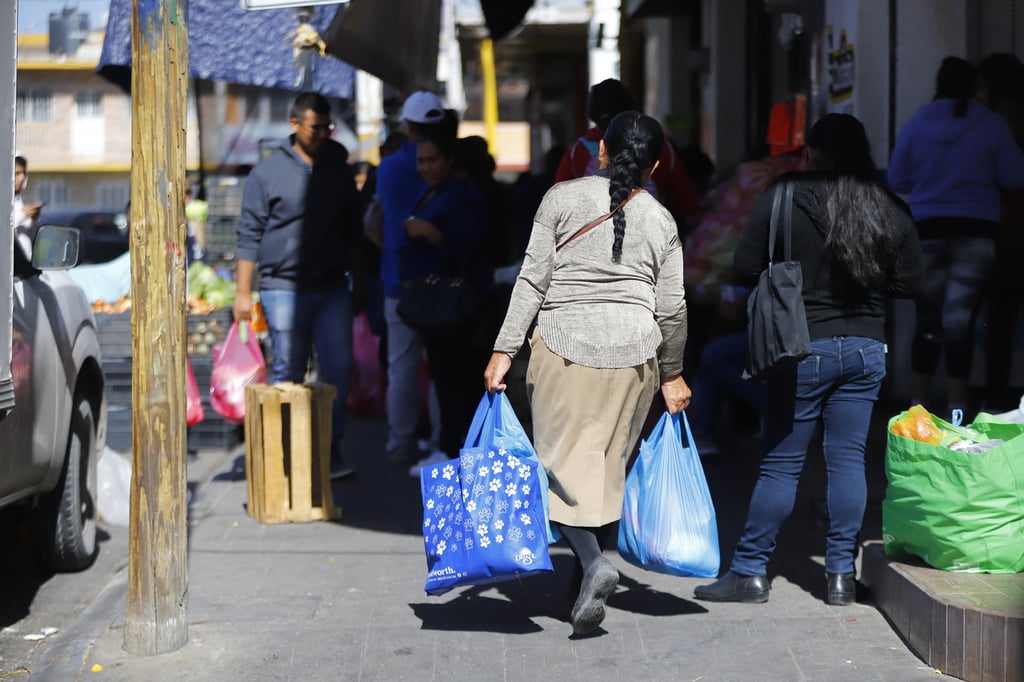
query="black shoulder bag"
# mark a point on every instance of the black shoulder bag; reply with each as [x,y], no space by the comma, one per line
[777,332]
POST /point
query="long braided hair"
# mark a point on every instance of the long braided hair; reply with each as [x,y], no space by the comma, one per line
[633,142]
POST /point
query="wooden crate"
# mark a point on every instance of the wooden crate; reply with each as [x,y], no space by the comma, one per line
[287,452]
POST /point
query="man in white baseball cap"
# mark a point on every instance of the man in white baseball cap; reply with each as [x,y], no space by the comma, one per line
[399,186]
[423,107]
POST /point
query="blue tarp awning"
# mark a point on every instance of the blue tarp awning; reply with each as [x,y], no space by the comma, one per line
[228,43]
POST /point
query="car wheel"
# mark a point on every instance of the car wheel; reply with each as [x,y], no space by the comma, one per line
[72,504]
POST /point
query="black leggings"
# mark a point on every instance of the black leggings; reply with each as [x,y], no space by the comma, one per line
[957,273]
[588,546]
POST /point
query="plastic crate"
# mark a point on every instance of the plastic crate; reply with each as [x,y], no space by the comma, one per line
[115,334]
[221,237]
[224,195]
[203,331]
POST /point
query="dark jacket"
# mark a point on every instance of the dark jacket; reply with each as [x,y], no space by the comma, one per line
[835,305]
[300,222]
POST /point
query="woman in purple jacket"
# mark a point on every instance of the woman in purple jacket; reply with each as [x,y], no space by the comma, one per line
[953,157]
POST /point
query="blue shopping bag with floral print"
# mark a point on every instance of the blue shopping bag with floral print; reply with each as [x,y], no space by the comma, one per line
[485,514]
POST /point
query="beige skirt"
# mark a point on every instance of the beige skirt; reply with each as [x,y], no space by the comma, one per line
[586,422]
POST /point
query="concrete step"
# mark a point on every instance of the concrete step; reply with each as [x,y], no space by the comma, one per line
[968,625]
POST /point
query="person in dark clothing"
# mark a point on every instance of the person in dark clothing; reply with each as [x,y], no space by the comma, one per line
[299,225]
[1002,90]
[669,183]
[856,244]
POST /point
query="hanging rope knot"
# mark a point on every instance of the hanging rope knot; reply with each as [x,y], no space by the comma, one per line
[304,38]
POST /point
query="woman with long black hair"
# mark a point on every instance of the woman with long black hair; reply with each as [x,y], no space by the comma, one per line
[611,329]
[856,244]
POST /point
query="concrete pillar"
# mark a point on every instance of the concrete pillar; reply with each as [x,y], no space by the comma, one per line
[871,79]
[603,41]
[658,67]
[669,62]
[724,115]
[927,31]
[449,60]
[369,116]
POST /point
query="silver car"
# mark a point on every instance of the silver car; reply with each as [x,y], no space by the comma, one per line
[49,442]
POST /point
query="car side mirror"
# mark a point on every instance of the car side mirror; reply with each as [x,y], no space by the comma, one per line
[55,248]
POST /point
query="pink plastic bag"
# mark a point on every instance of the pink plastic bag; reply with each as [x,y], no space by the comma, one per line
[237,363]
[368,387]
[194,412]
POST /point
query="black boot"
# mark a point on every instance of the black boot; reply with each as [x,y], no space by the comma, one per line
[599,578]
[842,589]
[748,589]
[599,581]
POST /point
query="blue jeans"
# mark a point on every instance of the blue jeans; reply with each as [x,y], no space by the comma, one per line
[836,386]
[298,321]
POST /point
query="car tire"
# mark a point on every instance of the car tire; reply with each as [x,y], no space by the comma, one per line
[71,507]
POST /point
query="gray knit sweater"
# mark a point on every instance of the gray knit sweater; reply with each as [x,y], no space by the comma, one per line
[591,310]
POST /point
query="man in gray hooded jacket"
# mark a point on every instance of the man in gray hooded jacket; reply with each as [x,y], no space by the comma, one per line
[299,223]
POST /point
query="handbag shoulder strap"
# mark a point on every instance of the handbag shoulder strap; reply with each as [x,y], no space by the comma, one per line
[782,200]
[597,221]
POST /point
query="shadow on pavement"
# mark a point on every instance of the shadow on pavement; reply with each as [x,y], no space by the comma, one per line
[22,572]
[517,603]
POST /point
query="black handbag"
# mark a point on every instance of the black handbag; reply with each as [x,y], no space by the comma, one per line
[439,304]
[777,331]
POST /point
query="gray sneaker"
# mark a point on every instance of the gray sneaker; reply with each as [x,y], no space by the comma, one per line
[340,468]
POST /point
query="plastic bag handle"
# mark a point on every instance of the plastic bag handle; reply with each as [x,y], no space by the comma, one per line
[686,427]
[483,422]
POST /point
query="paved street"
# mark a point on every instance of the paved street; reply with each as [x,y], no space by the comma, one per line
[344,601]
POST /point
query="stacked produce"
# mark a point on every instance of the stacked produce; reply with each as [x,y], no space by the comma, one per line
[207,290]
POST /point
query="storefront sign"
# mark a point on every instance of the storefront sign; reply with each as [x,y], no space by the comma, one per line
[839,54]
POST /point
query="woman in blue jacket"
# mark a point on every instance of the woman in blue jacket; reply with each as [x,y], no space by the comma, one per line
[447,237]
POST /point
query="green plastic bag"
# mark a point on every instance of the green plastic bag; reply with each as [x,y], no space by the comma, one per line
[958,511]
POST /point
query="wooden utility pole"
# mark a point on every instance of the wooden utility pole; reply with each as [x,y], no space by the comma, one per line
[156,619]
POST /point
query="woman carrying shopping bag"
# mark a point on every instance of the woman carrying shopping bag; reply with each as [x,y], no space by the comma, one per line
[856,244]
[606,288]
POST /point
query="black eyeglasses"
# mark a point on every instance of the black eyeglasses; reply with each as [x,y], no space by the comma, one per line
[319,128]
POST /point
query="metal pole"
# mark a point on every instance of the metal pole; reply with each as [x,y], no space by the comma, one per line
[490,94]
[156,621]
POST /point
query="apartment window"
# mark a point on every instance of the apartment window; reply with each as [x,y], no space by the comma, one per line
[113,195]
[53,193]
[34,106]
[89,104]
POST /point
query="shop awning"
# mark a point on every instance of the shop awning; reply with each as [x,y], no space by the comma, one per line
[395,40]
[228,43]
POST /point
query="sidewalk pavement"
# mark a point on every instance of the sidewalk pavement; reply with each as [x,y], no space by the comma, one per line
[344,601]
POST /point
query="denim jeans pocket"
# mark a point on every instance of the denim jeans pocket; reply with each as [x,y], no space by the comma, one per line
[873,357]
[808,372]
